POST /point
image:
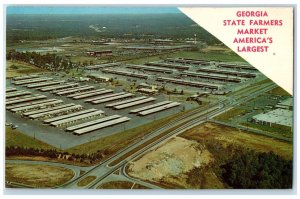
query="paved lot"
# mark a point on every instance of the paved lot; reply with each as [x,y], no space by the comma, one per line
[58,137]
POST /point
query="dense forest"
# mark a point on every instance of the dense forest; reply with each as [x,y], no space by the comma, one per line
[40,27]
[254,170]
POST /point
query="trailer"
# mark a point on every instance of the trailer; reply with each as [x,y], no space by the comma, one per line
[69,115]
[104,96]
[59,111]
[29,81]
[51,88]
[125,101]
[150,106]
[31,98]
[48,83]
[157,109]
[80,88]
[86,124]
[86,92]
[42,105]
[150,99]
[101,125]
[93,94]
[29,103]
[43,110]
[112,98]
[76,118]
[17,93]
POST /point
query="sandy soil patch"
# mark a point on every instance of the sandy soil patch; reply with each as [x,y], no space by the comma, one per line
[170,161]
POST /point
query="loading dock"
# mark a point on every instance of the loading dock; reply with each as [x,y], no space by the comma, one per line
[31,98]
[150,99]
[51,88]
[213,77]
[80,88]
[79,126]
[126,73]
[150,107]
[47,104]
[104,96]
[157,109]
[85,92]
[150,68]
[190,83]
[17,93]
[126,101]
[228,72]
[29,81]
[50,113]
[173,66]
[101,66]
[93,94]
[69,115]
[101,125]
[76,118]
[48,83]
[29,103]
[25,77]
[113,98]
[10,89]
[48,109]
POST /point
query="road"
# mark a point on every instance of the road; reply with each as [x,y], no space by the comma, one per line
[183,123]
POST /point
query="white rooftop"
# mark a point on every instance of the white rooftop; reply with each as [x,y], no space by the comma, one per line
[278,116]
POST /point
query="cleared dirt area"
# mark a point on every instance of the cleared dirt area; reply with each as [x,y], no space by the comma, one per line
[227,135]
[170,162]
[39,176]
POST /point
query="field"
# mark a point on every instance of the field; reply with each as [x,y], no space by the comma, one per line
[120,185]
[227,135]
[17,68]
[197,154]
[229,114]
[39,176]
[15,138]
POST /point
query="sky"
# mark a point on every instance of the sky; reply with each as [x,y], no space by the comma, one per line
[88,10]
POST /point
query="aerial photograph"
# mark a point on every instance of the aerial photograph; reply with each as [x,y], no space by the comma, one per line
[137,98]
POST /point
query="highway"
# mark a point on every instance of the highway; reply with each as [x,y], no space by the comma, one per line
[182,123]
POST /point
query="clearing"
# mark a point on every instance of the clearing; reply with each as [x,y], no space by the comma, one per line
[38,176]
[17,68]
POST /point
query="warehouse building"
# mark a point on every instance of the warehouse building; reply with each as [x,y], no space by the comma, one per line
[275,118]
